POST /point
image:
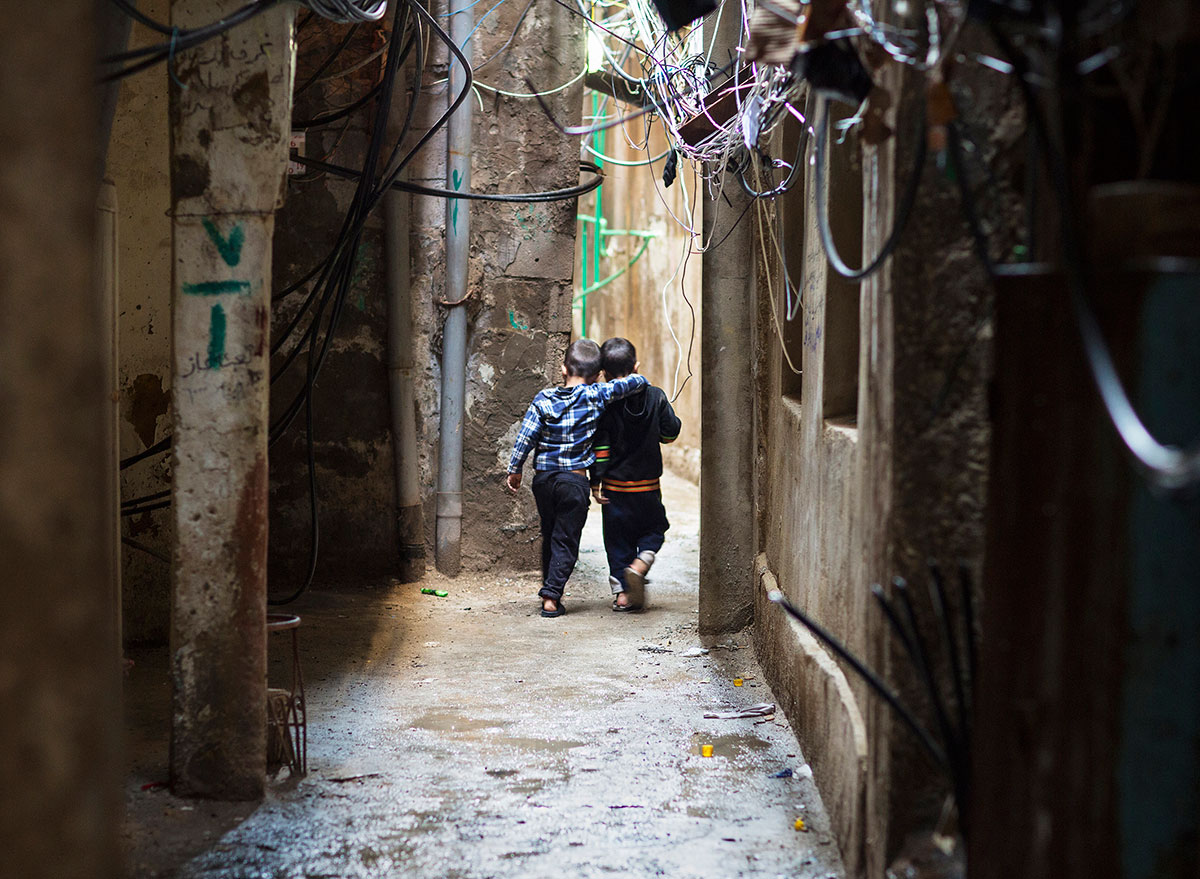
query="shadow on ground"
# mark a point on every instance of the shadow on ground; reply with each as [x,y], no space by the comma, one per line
[468,737]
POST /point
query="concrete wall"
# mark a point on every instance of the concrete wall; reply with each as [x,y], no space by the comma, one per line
[656,302]
[520,274]
[138,166]
[522,269]
[352,442]
[854,495]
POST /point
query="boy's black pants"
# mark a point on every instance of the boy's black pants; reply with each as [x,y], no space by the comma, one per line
[633,521]
[562,502]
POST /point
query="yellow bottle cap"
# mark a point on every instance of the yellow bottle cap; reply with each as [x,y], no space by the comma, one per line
[706,750]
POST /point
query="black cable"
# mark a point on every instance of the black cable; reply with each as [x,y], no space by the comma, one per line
[158,495]
[924,663]
[523,197]
[941,610]
[936,754]
[148,508]
[789,181]
[324,65]
[161,446]
[365,199]
[180,41]
[318,121]
[141,18]
[149,550]
[729,231]
[903,212]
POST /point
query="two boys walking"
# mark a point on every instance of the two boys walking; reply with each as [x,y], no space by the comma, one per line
[612,428]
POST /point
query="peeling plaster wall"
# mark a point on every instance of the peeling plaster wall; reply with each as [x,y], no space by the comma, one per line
[520,272]
[656,302]
[352,447]
[138,166]
[520,278]
[844,502]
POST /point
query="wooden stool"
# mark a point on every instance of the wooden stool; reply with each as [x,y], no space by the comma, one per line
[287,719]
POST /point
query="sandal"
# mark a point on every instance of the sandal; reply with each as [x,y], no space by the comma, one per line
[635,586]
[625,608]
[559,610]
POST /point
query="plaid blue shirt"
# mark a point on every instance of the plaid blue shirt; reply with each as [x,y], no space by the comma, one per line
[561,422]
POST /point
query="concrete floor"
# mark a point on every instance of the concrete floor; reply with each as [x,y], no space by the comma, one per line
[468,737]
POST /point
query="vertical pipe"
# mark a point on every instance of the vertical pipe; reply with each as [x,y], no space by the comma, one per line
[230,121]
[112,37]
[106,286]
[454,330]
[401,363]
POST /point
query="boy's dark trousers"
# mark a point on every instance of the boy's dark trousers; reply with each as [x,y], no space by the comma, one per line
[562,502]
[633,522]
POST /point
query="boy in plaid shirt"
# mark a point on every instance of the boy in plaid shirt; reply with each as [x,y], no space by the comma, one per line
[560,424]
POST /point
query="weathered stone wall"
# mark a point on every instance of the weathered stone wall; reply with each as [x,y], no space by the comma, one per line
[519,318]
[352,447]
[138,165]
[521,273]
[656,302]
[851,498]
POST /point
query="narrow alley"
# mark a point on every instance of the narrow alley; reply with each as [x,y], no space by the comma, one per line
[325,324]
[466,737]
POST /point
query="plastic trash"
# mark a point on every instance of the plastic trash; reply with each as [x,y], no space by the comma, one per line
[695,651]
[440,593]
[706,750]
[801,826]
[783,773]
[762,709]
[737,682]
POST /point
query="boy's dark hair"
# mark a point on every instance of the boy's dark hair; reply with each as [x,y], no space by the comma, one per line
[618,356]
[582,359]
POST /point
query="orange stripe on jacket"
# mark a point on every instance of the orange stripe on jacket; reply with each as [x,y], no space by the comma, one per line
[637,485]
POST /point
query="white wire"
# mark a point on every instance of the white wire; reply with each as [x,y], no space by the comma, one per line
[553,91]
[348,11]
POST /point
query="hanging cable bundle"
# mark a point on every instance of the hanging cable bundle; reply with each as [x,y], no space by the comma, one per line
[348,11]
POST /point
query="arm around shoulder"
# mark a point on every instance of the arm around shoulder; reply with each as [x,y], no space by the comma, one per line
[624,386]
[669,424]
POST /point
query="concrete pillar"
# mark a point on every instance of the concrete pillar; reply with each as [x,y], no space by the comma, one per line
[728,296]
[59,680]
[230,119]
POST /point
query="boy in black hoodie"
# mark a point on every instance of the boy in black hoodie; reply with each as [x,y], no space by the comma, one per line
[625,477]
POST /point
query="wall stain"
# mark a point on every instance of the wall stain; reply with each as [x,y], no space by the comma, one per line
[147,402]
[189,178]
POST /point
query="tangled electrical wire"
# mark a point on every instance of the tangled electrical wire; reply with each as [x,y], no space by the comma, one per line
[114,67]
[720,117]
[304,342]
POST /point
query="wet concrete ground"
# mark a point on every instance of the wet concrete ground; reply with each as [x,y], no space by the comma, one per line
[468,737]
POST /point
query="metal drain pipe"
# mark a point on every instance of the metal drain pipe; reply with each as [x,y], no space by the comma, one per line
[454,330]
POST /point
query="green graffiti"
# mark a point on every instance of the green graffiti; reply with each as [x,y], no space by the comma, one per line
[216,288]
[512,319]
[457,178]
[229,248]
[216,338]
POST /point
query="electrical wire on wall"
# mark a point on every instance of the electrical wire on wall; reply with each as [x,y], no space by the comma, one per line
[310,330]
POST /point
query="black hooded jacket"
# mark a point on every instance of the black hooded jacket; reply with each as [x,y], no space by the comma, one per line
[629,435]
